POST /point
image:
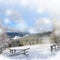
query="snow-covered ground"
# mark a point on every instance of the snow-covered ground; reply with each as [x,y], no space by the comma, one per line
[36,52]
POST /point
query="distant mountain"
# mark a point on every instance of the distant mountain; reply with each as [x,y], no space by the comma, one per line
[13,34]
[43,34]
[21,34]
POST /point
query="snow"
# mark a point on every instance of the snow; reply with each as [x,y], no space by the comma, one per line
[16,37]
[17,48]
[36,52]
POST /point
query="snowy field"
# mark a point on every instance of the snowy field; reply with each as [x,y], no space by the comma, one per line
[36,52]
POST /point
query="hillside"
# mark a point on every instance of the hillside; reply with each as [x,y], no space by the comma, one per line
[32,39]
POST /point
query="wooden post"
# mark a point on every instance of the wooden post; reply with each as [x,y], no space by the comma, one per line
[0,50]
[51,48]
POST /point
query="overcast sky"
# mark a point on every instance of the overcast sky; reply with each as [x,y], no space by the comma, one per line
[29,15]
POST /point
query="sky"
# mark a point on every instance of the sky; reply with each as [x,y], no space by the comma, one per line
[33,16]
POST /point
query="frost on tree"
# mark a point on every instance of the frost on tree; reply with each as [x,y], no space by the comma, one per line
[3,38]
[56,30]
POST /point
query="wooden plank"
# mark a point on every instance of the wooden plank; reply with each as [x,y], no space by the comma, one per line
[22,51]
